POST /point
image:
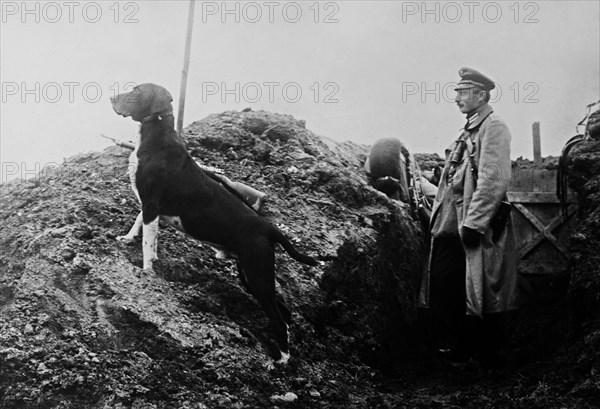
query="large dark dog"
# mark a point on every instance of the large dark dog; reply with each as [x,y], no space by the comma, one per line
[171,185]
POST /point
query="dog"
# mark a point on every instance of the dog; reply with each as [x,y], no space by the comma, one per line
[171,186]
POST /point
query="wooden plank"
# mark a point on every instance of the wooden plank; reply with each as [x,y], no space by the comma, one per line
[545,231]
[530,216]
[186,65]
[522,180]
[529,246]
[543,267]
[540,226]
[537,143]
[538,197]
[533,180]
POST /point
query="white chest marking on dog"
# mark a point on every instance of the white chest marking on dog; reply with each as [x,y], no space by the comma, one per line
[131,171]
[133,164]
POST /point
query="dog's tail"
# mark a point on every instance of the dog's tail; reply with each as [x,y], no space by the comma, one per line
[278,237]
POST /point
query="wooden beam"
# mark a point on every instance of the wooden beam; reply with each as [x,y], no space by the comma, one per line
[186,65]
[545,231]
[537,143]
[543,267]
[538,197]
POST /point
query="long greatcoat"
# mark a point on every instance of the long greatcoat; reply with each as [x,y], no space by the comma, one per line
[491,267]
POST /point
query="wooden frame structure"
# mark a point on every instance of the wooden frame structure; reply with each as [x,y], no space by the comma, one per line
[541,226]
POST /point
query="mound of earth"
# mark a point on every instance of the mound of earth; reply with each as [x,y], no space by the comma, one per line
[83,326]
[584,289]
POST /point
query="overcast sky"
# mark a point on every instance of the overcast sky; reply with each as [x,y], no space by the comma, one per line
[354,70]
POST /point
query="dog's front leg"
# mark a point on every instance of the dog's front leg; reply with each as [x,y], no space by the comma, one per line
[150,234]
[134,231]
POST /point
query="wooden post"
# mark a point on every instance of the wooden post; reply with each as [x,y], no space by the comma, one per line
[537,146]
[186,64]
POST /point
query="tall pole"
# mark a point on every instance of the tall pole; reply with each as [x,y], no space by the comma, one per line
[537,143]
[186,64]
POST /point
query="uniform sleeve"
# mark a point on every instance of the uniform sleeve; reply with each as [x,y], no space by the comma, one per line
[494,175]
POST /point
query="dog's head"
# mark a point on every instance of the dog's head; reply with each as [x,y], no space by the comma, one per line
[145,100]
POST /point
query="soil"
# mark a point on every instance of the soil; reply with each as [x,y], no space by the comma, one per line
[83,326]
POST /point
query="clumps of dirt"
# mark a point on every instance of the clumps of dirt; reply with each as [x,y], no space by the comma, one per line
[371,292]
[429,161]
[370,285]
[82,326]
[547,162]
[584,290]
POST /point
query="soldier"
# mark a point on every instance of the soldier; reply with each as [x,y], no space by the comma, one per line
[471,275]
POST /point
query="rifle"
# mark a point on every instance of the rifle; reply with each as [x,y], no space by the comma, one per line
[253,198]
[128,145]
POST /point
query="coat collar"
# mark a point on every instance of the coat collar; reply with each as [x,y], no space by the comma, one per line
[478,117]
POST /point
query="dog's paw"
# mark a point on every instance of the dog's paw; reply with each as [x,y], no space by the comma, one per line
[146,273]
[281,363]
[126,239]
[285,357]
[148,262]
[224,255]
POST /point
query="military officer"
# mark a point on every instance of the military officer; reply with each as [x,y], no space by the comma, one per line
[471,276]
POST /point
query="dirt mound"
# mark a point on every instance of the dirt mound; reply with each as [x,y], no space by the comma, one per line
[584,289]
[82,326]
[81,322]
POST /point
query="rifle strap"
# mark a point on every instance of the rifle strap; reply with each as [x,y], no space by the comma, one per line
[470,153]
[471,146]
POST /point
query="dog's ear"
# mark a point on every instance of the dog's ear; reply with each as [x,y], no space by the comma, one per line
[162,102]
